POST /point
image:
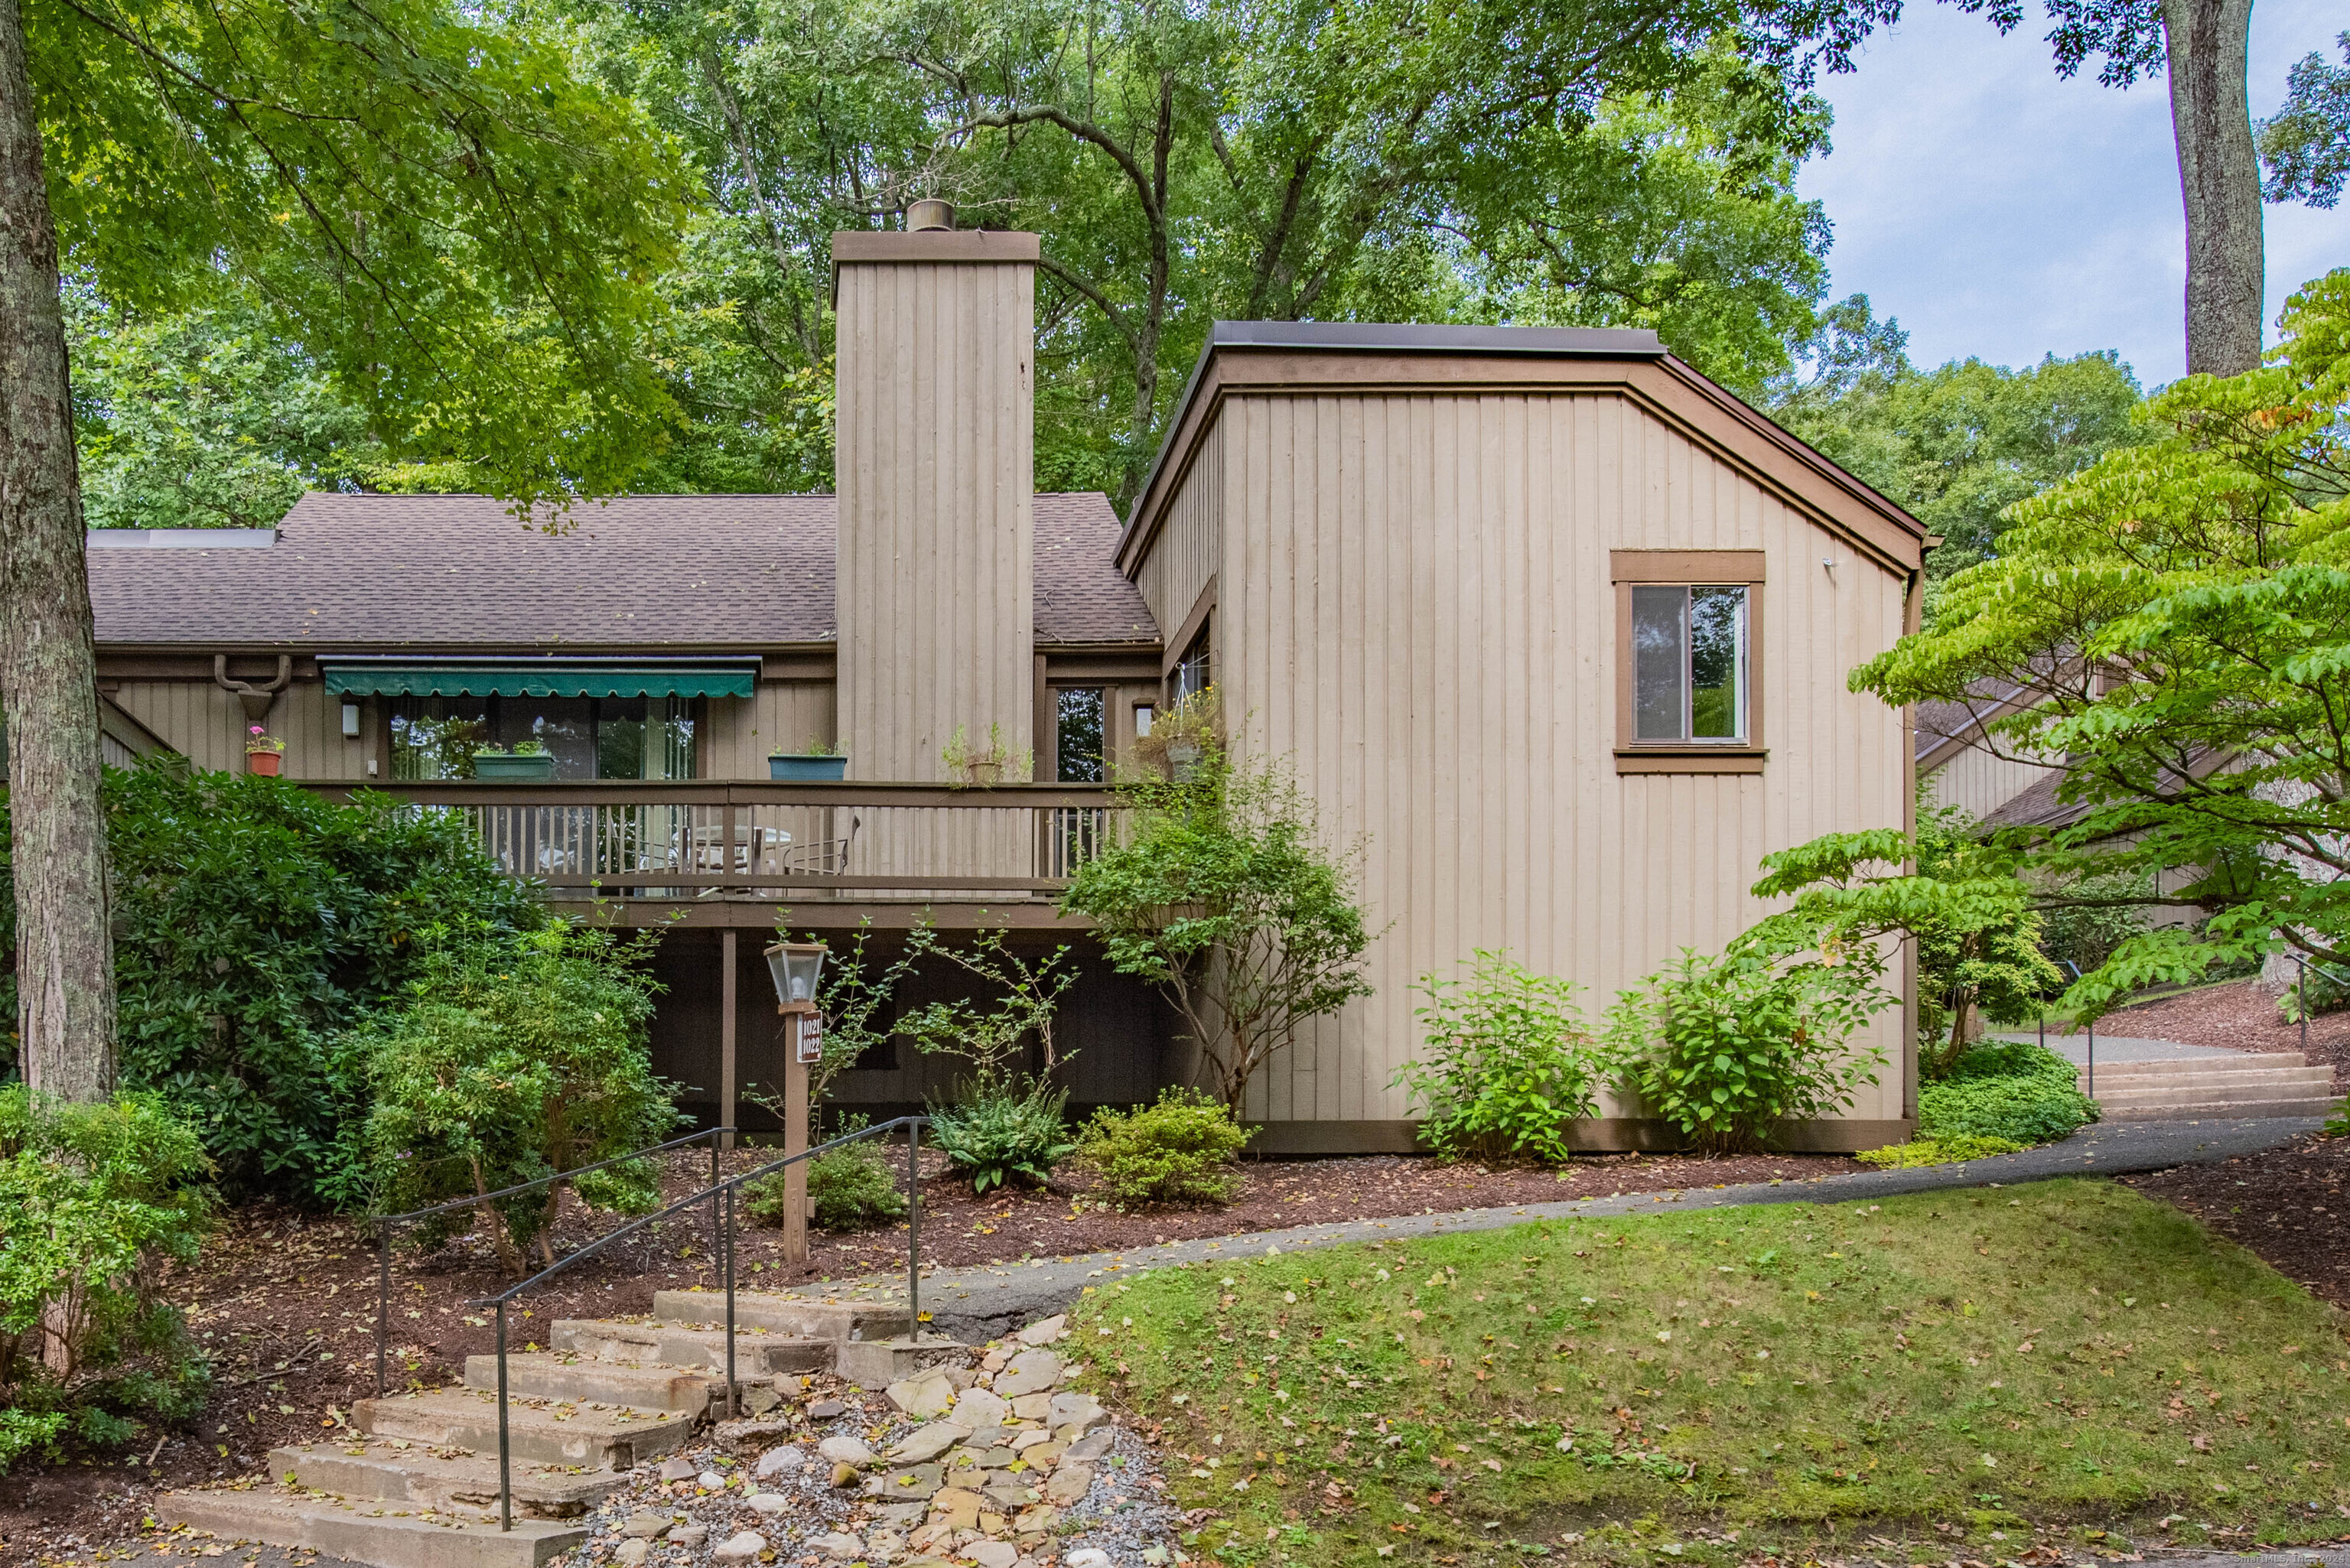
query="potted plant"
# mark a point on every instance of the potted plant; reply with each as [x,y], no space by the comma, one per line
[265,754]
[983,766]
[528,760]
[818,761]
[1182,733]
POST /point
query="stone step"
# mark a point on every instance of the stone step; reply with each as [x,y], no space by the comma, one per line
[2199,1066]
[781,1312]
[581,1380]
[2299,1080]
[757,1352]
[2227,1110]
[542,1431]
[383,1537]
[413,1476]
[2206,1091]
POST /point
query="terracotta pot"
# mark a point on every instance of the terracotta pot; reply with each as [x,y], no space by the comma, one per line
[266,763]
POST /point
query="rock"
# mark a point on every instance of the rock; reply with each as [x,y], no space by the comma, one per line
[928,1442]
[1031,1372]
[759,1398]
[962,1377]
[992,1524]
[1086,1557]
[899,1484]
[996,1360]
[632,1553]
[1038,1521]
[845,1477]
[843,1450]
[768,1503]
[992,1554]
[886,1544]
[1021,1442]
[838,1545]
[1033,1406]
[924,1396]
[826,1410]
[645,1525]
[690,1535]
[1045,1456]
[742,1548]
[1079,1410]
[1093,1445]
[677,1469]
[978,1408]
[989,1437]
[781,1461]
[1010,1492]
[956,1509]
[1044,1331]
[1069,1485]
[711,1480]
[901,1513]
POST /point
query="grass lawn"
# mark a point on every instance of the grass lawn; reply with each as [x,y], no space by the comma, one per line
[1957,1376]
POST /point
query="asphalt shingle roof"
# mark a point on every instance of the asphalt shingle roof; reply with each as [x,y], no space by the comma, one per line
[461,571]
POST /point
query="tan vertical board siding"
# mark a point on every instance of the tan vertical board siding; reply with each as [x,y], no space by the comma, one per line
[1978,783]
[200,721]
[1416,613]
[779,714]
[1185,554]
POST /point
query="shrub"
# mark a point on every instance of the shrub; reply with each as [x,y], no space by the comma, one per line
[509,1060]
[1002,1129]
[851,1189]
[1179,1150]
[1949,1150]
[93,1200]
[2020,1091]
[1507,1064]
[1726,1048]
[2324,991]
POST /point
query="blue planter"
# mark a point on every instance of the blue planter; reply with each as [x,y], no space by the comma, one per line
[807,769]
[538,765]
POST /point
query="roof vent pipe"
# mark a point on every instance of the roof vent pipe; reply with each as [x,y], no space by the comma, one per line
[930,217]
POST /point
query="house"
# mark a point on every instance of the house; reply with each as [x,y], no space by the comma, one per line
[1553,626]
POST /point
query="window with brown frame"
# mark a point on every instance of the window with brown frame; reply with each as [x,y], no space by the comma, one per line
[1688,676]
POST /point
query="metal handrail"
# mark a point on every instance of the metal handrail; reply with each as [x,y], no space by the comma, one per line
[717,1191]
[386,1223]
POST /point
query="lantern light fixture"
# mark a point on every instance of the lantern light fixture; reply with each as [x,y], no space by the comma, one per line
[795,968]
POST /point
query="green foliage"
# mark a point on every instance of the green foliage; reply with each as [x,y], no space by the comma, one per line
[1977,936]
[1023,996]
[1179,1150]
[853,994]
[254,920]
[1955,1149]
[2177,620]
[94,1200]
[1957,445]
[2321,989]
[1506,1065]
[1223,896]
[1000,1129]
[508,1060]
[2099,915]
[2020,1091]
[2306,146]
[851,1189]
[1726,1047]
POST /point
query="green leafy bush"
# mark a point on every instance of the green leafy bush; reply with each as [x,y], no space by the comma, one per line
[93,1200]
[1507,1064]
[1949,1150]
[2322,989]
[509,1060]
[2020,1091]
[253,920]
[851,1189]
[1725,1048]
[1179,1150]
[1003,1129]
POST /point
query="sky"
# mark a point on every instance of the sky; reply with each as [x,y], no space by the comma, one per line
[1998,211]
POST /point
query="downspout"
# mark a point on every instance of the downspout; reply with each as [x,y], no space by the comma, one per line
[254,700]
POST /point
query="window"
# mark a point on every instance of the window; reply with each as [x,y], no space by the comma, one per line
[1688,690]
[1194,671]
[590,737]
[1077,735]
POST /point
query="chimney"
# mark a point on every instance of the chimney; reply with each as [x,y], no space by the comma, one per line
[934,466]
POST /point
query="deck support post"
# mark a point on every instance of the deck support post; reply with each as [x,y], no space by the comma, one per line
[726,1009]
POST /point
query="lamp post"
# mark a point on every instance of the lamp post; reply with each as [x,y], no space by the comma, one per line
[796,967]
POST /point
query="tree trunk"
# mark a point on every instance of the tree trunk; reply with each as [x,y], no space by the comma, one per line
[49,670]
[2219,178]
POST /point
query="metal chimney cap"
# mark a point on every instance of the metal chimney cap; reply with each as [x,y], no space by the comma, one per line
[930,215]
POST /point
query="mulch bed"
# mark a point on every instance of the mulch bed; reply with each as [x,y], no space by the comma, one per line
[2285,1205]
[2237,1016]
[287,1300]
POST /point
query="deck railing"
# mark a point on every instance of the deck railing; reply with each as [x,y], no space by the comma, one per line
[797,842]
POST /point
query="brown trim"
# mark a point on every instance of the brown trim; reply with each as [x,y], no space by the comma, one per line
[130,731]
[1678,566]
[1171,653]
[1044,724]
[851,246]
[250,659]
[709,792]
[1634,756]
[1079,670]
[825,914]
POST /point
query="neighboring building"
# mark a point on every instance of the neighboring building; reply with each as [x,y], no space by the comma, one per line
[1554,626]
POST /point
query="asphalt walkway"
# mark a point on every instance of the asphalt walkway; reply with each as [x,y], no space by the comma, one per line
[977,1304]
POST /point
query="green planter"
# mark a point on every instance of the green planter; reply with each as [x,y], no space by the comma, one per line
[806,769]
[534,765]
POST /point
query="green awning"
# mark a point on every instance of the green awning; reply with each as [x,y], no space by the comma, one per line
[549,677]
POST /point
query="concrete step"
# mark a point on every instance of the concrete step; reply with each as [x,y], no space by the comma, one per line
[2296,1081]
[410,1475]
[2226,1110]
[757,1352]
[541,1431]
[585,1380]
[780,1313]
[386,1538]
[2199,1066]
